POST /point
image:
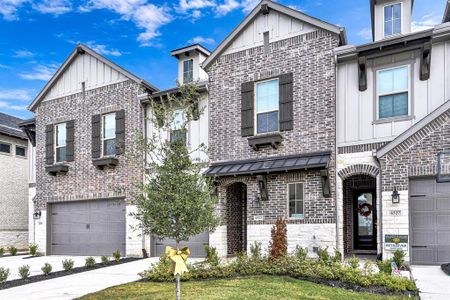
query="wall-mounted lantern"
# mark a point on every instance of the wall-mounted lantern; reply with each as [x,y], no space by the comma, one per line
[257,201]
[37,214]
[395,196]
[262,184]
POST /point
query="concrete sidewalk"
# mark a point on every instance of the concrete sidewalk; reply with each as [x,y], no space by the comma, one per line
[77,285]
[432,282]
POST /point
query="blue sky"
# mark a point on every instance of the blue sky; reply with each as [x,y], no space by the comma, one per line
[36,36]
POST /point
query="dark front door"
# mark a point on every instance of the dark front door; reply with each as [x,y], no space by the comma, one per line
[365,215]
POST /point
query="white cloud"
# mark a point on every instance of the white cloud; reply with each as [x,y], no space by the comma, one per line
[23,54]
[103,49]
[40,72]
[425,22]
[146,16]
[248,5]
[186,5]
[16,94]
[365,33]
[54,7]
[227,6]
[7,105]
[3,66]
[8,8]
[202,40]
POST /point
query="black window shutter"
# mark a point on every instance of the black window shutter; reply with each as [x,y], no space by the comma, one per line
[247,108]
[49,154]
[96,136]
[70,136]
[286,102]
[120,131]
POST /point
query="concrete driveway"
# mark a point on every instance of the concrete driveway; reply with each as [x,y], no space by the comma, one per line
[36,263]
[77,285]
[432,282]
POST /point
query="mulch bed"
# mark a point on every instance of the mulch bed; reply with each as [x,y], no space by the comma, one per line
[41,277]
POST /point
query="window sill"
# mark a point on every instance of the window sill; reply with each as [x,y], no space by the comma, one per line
[57,169]
[393,119]
[101,163]
[272,139]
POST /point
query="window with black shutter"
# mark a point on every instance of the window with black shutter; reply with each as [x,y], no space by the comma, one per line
[286,99]
[247,108]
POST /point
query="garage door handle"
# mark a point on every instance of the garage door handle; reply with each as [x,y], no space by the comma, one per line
[419,246]
[88,226]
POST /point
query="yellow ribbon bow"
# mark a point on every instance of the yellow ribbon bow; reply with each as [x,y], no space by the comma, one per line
[178,259]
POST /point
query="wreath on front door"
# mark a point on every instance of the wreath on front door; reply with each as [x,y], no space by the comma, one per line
[365,209]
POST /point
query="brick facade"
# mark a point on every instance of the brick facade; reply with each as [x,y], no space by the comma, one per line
[84,181]
[310,58]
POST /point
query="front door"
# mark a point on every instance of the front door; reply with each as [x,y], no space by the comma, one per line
[365,231]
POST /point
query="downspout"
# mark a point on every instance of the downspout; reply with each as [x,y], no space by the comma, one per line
[144,251]
[335,154]
[380,201]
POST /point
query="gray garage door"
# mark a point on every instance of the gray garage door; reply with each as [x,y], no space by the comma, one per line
[430,221]
[88,227]
[196,245]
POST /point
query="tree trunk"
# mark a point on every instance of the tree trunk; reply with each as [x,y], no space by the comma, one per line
[178,296]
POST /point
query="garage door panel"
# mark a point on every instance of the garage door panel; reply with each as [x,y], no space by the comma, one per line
[443,220]
[430,221]
[88,227]
[424,237]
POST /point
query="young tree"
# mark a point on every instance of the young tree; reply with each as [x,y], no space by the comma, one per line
[175,201]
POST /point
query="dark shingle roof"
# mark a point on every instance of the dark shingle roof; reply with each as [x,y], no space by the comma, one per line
[9,125]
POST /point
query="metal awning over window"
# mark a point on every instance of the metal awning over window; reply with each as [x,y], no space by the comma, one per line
[267,165]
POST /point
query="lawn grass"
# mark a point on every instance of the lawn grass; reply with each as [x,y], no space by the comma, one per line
[242,288]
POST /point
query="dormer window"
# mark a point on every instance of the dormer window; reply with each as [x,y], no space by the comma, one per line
[392,19]
[188,70]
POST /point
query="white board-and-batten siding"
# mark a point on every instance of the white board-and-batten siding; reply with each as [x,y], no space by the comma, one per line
[280,26]
[356,120]
[85,68]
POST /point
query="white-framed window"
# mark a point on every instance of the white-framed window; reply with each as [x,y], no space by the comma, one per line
[188,70]
[296,200]
[267,106]
[109,134]
[393,92]
[392,19]
[60,142]
[177,130]
[21,151]
[5,148]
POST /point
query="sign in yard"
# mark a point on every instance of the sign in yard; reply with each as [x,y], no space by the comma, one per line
[396,242]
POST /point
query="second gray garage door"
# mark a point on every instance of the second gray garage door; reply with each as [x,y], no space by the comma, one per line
[87,227]
[196,245]
[430,221]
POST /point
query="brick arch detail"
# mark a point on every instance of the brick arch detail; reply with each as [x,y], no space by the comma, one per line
[359,169]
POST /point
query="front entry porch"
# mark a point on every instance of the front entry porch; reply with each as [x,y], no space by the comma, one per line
[360,215]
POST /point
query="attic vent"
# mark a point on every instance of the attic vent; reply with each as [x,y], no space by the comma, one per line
[266,42]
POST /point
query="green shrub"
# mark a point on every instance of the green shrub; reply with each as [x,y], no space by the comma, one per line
[300,252]
[12,250]
[323,255]
[212,258]
[67,264]
[2,251]
[4,273]
[33,249]
[353,262]
[117,255]
[256,250]
[385,266]
[90,262]
[105,260]
[337,256]
[399,258]
[46,269]
[24,271]
[368,268]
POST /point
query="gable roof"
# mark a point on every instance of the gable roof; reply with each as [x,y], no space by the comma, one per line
[277,7]
[446,17]
[9,125]
[413,129]
[79,50]
[197,47]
